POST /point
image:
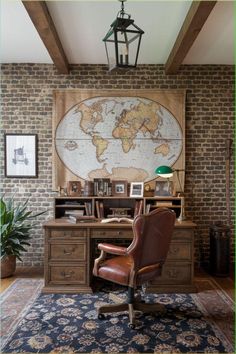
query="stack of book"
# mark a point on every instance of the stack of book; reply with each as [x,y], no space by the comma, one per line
[79,212]
[83,218]
[75,216]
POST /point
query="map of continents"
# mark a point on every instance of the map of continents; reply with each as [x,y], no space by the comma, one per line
[118,137]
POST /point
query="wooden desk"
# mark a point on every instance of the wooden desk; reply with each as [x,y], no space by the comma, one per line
[68,253]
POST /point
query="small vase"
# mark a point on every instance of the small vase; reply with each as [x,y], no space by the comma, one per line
[8,266]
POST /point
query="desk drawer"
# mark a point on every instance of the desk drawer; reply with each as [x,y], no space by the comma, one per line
[175,274]
[112,233]
[71,274]
[68,251]
[180,251]
[68,233]
[182,234]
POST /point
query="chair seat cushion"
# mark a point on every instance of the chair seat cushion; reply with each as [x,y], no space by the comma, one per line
[116,269]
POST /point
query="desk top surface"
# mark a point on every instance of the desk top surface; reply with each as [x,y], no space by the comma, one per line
[62,223]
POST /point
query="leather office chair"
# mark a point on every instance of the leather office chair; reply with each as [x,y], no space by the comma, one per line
[140,262]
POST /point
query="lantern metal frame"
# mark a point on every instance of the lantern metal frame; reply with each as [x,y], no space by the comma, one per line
[123,25]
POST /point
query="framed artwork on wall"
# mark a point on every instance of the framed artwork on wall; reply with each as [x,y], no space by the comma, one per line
[21,158]
[119,188]
[136,189]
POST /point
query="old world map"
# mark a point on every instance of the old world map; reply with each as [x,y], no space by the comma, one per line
[118,137]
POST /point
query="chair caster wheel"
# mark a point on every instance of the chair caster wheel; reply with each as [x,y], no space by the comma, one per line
[101,316]
[131,325]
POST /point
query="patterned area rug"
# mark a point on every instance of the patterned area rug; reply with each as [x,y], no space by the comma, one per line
[62,323]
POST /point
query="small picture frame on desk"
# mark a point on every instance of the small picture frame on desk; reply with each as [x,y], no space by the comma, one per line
[163,189]
[136,189]
[119,188]
[148,191]
[74,188]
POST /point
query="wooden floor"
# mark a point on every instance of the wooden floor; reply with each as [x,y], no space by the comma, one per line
[35,272]
[21,272]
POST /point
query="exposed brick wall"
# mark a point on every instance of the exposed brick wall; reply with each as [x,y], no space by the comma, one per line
[27,108]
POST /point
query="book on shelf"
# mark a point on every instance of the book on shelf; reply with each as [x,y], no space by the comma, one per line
[72,202]
[148,207]
[124,220]
[164,204]
[88,208]
[101,208]
[98,209]
[138,207]
[84,218]
[74,212]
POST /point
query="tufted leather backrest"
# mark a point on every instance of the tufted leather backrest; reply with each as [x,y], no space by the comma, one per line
[152,236]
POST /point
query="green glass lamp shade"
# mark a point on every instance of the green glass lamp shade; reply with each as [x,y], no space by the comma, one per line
[164,171]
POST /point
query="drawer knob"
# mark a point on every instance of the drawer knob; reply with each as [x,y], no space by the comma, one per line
[119,232]
[69,251]
[173,273]
[174,250]
[67,275]
[102,233]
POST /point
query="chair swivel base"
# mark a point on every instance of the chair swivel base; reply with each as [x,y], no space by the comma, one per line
[138,306]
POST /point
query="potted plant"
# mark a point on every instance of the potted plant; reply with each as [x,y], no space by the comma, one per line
[16,224]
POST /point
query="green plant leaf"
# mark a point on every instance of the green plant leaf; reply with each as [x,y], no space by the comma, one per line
[16,224]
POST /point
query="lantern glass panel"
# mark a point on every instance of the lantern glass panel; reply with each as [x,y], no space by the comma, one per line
[132,46]
[110,51]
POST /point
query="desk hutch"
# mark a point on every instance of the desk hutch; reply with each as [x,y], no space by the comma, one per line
[70,248]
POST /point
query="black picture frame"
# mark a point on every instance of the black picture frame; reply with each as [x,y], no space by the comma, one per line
[21,155]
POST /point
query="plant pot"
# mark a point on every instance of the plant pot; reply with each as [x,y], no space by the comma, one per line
[8,266]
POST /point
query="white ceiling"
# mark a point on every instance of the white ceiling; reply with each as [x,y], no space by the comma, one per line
[81,25]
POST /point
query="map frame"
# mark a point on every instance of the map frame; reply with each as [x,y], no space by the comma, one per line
[64,100]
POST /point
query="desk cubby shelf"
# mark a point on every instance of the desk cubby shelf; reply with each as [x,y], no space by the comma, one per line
[91,205]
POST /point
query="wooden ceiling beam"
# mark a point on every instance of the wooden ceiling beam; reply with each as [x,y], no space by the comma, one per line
[40,16]
[193,23]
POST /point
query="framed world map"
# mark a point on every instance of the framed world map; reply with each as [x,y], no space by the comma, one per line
[117,134]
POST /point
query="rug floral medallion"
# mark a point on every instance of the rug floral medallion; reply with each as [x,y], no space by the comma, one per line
[62,323]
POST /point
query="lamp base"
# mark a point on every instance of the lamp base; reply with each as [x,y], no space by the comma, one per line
[182,218]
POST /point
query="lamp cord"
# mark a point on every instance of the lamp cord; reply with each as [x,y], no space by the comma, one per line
[122,8]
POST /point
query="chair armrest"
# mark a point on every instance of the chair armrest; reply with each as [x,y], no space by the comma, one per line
[107,248]
[112,249]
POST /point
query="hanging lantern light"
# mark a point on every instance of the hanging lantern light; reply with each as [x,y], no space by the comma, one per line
[122,41]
